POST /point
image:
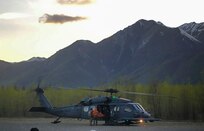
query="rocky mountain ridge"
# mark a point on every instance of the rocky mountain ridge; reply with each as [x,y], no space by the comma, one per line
[144,52]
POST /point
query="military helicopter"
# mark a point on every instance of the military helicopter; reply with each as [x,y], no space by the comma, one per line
[115,110]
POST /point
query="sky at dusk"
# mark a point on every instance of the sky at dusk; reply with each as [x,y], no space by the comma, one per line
[32,28]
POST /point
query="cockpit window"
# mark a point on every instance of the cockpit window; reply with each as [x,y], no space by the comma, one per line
[116,108]
[127,109]
[138,107]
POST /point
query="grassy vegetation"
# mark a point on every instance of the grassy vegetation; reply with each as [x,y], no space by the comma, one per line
[188,105]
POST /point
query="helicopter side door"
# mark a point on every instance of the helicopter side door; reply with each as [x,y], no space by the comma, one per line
[127,111]
[123,112]
[86,112]
[115,112]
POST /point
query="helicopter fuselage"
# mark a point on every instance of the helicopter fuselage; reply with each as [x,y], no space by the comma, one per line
[114,110]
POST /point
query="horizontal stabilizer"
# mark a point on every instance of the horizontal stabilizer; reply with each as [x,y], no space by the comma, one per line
[38,109]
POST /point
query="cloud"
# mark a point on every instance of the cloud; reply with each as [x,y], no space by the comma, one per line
[46,18]
[12,15]
[74,2]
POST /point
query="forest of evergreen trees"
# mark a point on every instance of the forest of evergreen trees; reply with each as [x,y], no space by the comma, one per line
[188,104]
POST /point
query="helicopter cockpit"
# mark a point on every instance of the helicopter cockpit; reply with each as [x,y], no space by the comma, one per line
[140,110]
[138,107]
[129,110]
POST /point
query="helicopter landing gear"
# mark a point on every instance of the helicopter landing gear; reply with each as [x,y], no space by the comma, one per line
[56,121]
[93,122]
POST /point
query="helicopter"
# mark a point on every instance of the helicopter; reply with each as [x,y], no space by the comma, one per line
[114,110]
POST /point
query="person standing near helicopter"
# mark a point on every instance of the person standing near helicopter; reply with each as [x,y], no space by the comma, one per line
[95,115]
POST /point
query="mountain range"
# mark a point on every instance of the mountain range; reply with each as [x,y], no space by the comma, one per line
[144,52]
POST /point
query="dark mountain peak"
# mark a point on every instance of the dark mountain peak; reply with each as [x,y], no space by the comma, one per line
[148,23]
[80,43]
[143,26]
[36,59]
[78,48]
[1,61]
[194,29]
[138,28]
[3,65]
[137,36]
[192,25]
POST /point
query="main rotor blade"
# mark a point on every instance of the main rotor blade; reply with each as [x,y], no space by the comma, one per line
[128,92]
[105,90]
[93,90]
[145,94]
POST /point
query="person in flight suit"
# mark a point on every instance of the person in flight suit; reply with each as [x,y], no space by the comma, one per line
[95,114]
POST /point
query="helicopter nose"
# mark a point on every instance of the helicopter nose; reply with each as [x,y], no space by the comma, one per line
[146,115]
[143,115]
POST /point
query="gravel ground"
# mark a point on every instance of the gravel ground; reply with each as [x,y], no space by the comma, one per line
[43,124]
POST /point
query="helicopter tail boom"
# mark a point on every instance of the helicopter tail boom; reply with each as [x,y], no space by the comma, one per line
[38,109]
[42,99]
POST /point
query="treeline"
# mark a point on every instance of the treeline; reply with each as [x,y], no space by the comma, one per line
[188,103]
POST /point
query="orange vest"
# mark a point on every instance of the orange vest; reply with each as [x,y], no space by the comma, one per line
[96,114]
